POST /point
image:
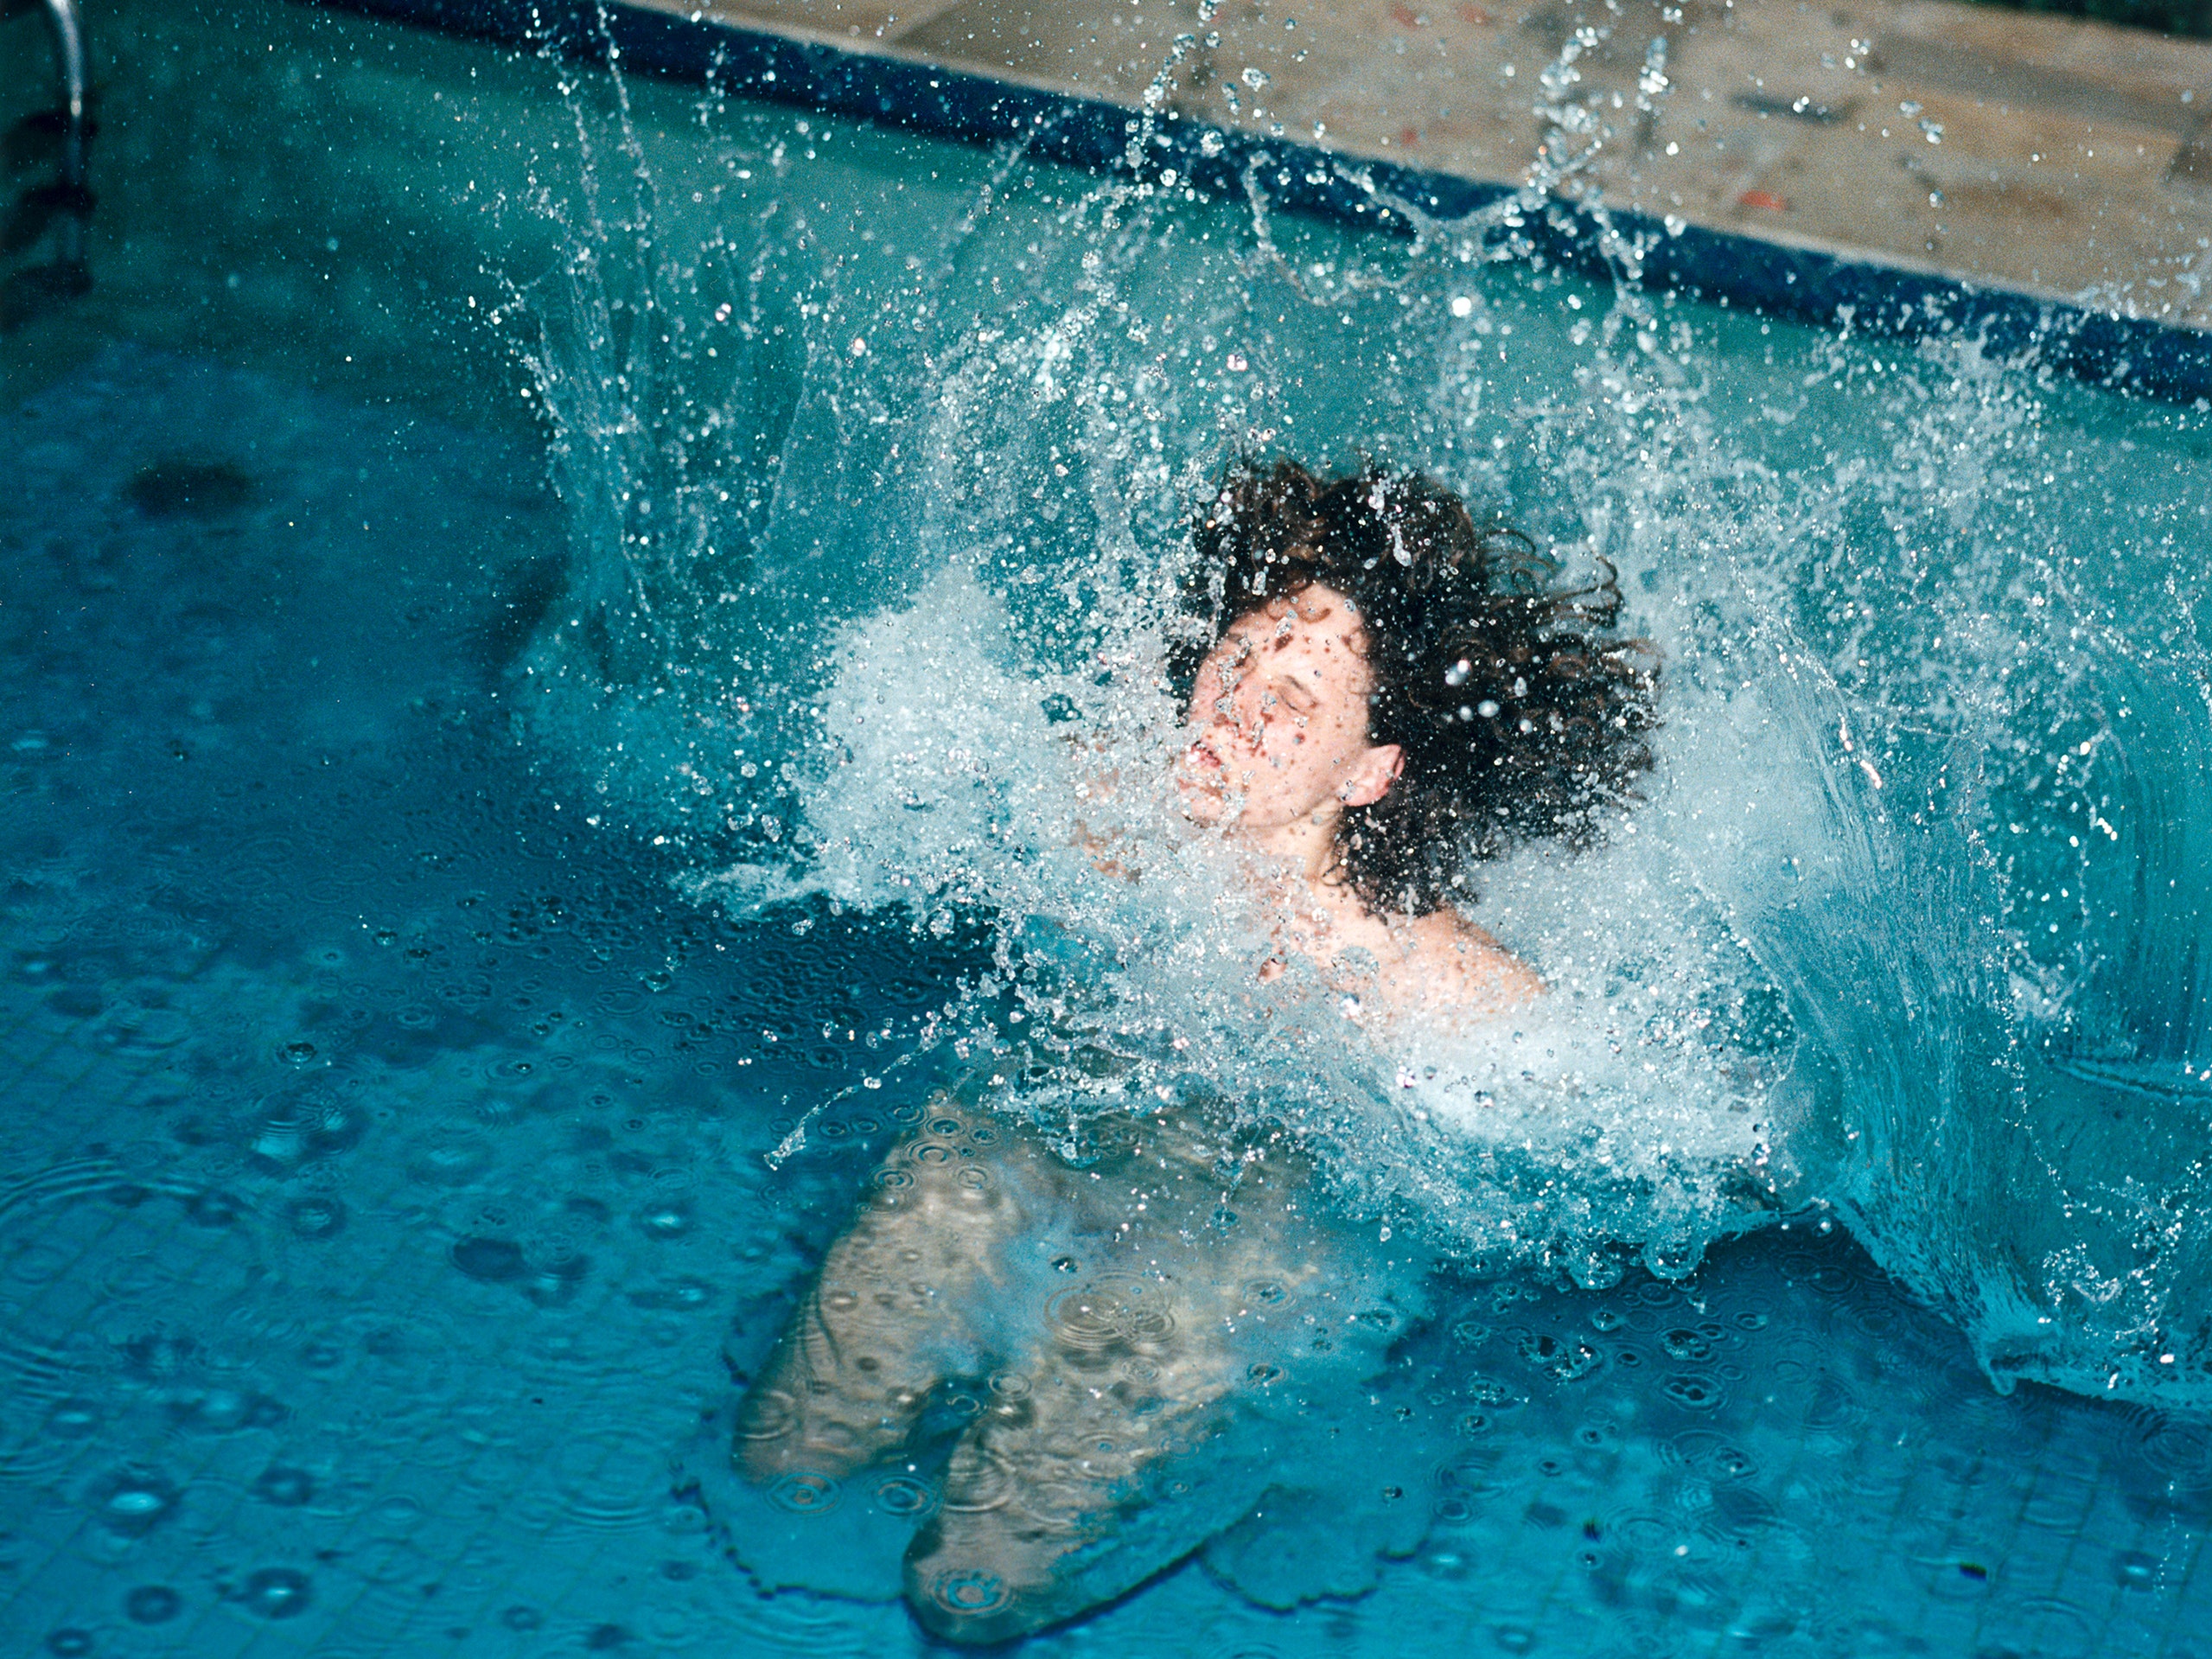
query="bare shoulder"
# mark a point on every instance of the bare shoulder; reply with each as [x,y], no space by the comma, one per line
[1465,968]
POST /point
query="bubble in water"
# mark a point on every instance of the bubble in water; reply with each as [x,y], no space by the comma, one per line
[152,1603]
[69,1642]
[276,1592]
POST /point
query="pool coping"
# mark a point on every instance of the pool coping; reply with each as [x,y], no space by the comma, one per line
[1767,275]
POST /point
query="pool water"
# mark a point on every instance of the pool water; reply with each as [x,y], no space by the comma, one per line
[491,571]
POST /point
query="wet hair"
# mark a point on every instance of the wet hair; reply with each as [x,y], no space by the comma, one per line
[1521,715]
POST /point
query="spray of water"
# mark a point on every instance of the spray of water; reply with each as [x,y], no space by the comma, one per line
[867,585]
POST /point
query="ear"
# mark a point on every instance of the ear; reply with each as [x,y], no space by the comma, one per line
[1373,774]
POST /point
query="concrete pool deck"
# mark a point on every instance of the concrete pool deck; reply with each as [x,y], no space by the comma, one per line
[2045,157]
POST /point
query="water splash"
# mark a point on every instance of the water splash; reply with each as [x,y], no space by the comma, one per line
[1908,926]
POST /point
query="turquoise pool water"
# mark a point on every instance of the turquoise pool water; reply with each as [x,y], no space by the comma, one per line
[541,617]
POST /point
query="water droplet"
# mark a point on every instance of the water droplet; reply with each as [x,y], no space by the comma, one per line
[2134,1570]
[1113,1308]
[299,1053]
[285,1487]
[276,1592]
[454,1162]
[1693,1391]
[70,1643]
[495,1262]
[72,1419]
[802,1492]
[558,1277]
[970,1590]
[906,1498]
[133,1503]
[315,1217]
[225,1411]
[152,1603]
[1564,1357]
[213,1208]
[671,1220]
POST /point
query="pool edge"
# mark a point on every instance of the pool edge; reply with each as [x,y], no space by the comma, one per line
[1826,288]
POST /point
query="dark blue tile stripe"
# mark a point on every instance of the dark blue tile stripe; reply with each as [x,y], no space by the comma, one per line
[2123,353]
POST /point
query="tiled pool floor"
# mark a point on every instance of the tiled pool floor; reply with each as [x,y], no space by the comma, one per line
[384,1205]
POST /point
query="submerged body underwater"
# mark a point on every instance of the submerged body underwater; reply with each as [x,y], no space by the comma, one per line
[601,1076]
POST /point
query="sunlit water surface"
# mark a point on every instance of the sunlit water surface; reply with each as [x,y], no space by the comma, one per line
[468,942]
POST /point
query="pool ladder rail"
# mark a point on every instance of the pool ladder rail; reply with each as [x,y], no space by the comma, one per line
[57,211]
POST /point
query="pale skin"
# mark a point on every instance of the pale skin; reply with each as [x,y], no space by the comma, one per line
[1142,1356]
[1279,747]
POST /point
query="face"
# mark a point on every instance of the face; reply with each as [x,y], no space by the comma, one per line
[1278,719]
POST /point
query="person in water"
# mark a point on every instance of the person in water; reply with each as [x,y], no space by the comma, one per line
[1378,694]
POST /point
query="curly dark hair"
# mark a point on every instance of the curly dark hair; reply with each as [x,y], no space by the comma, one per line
[1520,714]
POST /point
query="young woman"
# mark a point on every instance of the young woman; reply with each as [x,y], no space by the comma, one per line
[1380,694]
[1383,694]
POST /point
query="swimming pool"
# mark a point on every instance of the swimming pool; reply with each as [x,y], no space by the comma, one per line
[410,974]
